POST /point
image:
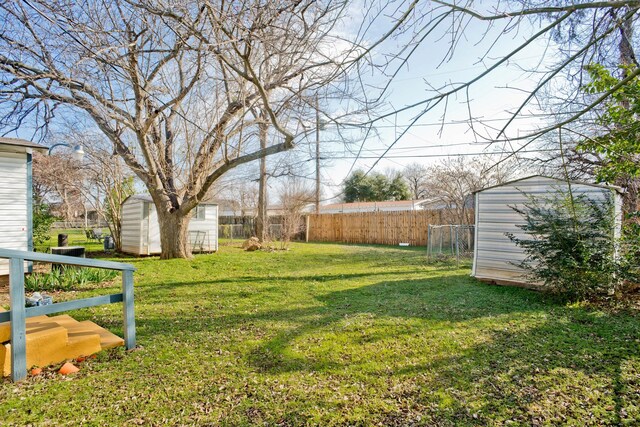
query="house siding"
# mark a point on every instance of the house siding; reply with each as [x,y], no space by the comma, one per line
[495,254]
[14,204]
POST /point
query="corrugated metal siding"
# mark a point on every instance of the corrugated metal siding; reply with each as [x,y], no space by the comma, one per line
[141,236]
[132,226]
[13,204]
[209,225]
[154,231]
[495,254]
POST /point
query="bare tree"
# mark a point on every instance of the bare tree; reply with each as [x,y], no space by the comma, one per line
[58,179]
[452,182]
[416,176]
[575,34]
[295,195]
[171,85]
[108,184]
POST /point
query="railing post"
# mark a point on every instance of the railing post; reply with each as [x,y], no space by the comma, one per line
[18,320]
[128,310]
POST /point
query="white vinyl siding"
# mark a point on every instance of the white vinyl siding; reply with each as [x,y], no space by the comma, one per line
[131,223]
[495,255]
[14,225]
[208,225]
[141,231]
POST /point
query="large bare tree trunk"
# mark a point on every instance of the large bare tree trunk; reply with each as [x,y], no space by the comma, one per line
[174,235]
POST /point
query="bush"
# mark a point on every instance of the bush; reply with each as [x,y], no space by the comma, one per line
[42,221]
[572,249]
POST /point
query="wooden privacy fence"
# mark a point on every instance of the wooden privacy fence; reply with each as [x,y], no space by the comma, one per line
[380,227]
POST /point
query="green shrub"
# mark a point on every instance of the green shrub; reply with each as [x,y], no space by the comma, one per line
[42,221]
[67,279]
[571,247]
[225,231]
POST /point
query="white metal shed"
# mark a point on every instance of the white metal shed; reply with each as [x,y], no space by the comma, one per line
[495,255]
[16,196]
[141,231]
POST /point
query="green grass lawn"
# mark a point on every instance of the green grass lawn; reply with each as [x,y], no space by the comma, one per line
[76,236]
[341,335]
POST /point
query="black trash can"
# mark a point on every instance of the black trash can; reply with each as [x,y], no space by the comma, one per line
[63,240]
[108,243]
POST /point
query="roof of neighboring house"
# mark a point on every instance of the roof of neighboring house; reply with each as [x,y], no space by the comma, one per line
[612,187]
[369,206]
[272,210]
[22,144]
[147,198]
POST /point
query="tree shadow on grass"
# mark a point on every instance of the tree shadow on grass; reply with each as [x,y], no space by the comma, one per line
[561,371]
[528,362]
[158,289]
[507,353]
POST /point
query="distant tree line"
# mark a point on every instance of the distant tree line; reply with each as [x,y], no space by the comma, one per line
[448,184]
[375,187]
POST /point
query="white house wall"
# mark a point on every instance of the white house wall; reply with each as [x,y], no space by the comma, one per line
[495,255]
[13,204]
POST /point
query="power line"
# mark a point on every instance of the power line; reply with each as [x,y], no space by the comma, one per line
[410,156]
[456,122]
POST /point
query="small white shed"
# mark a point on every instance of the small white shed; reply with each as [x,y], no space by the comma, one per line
[495,255]
[141,231]
[16,195]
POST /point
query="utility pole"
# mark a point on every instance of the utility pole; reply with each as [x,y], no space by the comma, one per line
[317,156]
[262,219]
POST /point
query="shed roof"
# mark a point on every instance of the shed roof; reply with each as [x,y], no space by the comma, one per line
[22,144]
[611,187]
[374,205]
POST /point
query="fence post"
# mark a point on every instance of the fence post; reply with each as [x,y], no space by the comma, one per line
[306,234]
[128,310]
[457,246]
[429,242]
[18,320]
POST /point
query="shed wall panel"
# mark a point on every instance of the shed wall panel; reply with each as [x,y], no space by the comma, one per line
[131,226]
[208,225]
[141,233]
[495,255]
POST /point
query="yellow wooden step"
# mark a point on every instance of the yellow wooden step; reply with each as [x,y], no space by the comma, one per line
[44,345]
[4,355]
[55,339]
[5,327]
[107,339]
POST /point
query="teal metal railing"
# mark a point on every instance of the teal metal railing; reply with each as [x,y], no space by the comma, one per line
[18,313]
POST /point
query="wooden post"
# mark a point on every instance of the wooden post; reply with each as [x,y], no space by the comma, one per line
[128,310]
[18,320]
[306,234]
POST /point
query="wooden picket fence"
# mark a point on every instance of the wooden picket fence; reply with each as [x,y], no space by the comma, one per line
[381,227]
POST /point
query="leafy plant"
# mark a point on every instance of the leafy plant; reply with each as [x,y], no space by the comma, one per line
[375,187]
[620,143]
[571,247]
[66,279]
[42,221]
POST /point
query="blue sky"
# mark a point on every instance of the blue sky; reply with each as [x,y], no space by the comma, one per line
[439,134]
